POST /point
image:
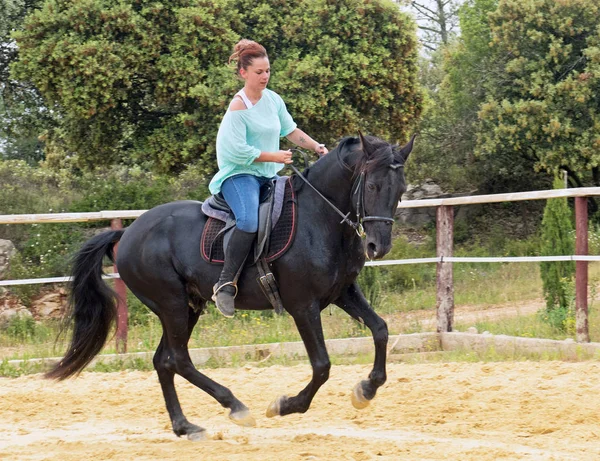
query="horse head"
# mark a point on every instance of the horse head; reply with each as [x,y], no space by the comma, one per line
[378,190]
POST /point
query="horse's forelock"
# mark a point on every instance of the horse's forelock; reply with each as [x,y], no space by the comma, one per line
[381,157]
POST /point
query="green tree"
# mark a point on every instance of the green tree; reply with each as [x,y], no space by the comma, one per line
[557,276]
[457,78]
[146,82]
[23,115]
[544,108]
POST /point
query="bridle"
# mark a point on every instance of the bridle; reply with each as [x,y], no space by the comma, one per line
[358,190]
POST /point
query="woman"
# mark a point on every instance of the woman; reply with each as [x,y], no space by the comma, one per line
[248,156]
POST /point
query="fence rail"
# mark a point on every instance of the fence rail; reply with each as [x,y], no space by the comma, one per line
[444,244]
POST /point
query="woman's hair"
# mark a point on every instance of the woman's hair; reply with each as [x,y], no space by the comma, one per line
[244,52]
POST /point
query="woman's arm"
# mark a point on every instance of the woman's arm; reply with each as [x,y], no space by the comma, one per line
[301,139]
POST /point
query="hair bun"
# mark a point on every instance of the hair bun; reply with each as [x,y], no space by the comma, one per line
[243,44]
[245,51]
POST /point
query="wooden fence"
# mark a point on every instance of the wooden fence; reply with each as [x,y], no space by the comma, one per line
[444,243]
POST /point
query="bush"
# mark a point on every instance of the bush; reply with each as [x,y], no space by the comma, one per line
[20,328]
[557,239]
[562,317]
[45,250]
[148,81]
[29,190]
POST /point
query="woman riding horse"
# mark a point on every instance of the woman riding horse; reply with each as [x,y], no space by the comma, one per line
[160,261]
[248,156]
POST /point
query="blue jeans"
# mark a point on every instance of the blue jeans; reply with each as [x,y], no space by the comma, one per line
[242,194]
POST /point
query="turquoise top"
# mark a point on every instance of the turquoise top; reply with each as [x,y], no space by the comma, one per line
[244,134]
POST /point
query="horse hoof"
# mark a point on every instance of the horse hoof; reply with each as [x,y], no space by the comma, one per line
[275,407]
[359,401]
[243,418]
[197,436]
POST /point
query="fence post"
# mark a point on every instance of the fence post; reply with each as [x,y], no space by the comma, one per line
[581,270]
[445,282]
[121,290]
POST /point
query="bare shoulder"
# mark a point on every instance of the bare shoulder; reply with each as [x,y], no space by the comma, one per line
[237,104]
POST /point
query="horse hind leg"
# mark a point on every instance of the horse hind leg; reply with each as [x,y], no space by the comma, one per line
[177,329]
[164,364]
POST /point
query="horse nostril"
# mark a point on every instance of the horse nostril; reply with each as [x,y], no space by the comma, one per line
[371,247]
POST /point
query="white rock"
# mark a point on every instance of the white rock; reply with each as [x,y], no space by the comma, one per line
[7,251]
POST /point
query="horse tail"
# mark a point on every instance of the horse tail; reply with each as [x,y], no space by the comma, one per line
[92,305]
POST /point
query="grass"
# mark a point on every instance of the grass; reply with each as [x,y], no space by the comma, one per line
[475,285]
[486,285]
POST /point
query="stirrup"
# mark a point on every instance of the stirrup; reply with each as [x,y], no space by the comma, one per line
[217,289]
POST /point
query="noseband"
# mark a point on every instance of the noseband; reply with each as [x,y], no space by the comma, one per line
[358,190]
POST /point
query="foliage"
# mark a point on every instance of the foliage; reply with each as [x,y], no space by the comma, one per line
[405,276]
[562,317]
[543,106]
[23,115]
[20,328]
[44,250]
[457,78]
[146,82]
[29,190]
[122,190]
[557,239]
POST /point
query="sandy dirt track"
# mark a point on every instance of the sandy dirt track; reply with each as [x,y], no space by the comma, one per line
[458,411]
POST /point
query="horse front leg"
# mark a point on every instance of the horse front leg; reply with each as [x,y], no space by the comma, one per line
[310,328]
[353,302]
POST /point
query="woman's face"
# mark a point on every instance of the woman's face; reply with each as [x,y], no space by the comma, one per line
[257,74]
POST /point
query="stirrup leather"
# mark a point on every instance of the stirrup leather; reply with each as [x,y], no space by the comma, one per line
[217,289]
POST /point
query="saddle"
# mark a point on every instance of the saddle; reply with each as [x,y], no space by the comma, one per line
[276,230]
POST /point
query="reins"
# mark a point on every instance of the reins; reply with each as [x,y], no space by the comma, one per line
[358,189]
[345,219]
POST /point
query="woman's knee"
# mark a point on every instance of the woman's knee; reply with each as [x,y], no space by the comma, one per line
[247,223]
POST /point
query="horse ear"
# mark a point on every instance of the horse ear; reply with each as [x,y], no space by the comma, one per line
[365,145]
[407,148]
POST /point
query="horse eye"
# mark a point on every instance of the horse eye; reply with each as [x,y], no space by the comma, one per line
[371,186]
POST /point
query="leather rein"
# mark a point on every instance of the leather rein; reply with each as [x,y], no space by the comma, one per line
[358,189]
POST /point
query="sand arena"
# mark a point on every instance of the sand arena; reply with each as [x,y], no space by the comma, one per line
[460,411]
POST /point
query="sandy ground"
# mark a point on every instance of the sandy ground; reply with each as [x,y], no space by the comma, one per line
[458,411]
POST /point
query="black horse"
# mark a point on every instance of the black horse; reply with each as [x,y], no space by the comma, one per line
[159,260]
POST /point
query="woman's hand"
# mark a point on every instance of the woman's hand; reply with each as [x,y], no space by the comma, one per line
[284,156]
[321,149]
[281,156]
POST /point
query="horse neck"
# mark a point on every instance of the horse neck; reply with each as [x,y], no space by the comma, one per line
[334,181]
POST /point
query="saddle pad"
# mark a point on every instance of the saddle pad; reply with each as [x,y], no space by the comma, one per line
[282,235]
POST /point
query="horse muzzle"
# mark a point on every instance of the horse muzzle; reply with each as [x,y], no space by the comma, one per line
[377,245]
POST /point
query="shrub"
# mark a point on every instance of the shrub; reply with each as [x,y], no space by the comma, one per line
[557,239]
[149,81]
